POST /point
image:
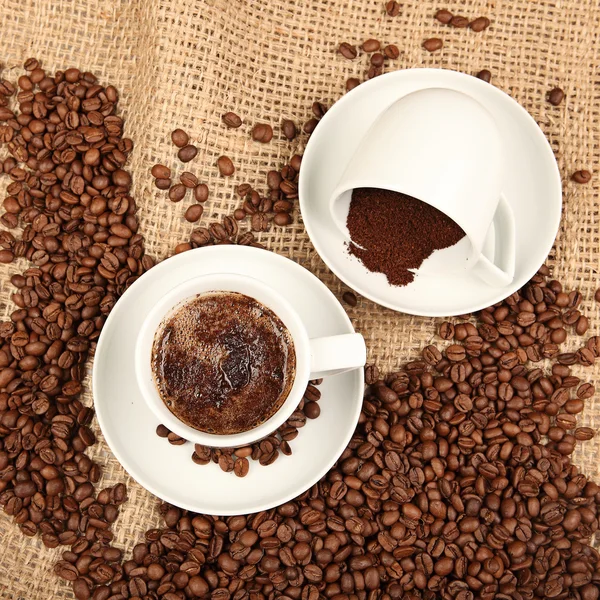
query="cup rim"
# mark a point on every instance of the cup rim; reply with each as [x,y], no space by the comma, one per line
[206,283]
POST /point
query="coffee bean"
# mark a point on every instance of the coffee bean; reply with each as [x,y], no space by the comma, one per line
[180,138]
[347,51]
[81,589]
[201,192]
[310,126]
[555,96]
[193,213]
[262,132]
[392,8]
[241,467]
[231,120]
[187,153]
[350,298]
[312,410]
[371,45]
[177,193]
[444,16]
[161,172]
[282,219]
[581,176]
[479,24]
[582,325]
[319,109]
[377,59]
[288,128]
[459,21]
[351,83]
[189,180]
[391,51]
[433,44]
[163,184]
[226,168]
[484,75]
[162,431]
[6,256]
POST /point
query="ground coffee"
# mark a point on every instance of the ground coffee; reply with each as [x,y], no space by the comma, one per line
[393,232]
[223,363]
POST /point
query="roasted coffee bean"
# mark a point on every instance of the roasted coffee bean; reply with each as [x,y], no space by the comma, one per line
[282,219]
[444,16]
[310,126]
[163,184]
[187,153]
[582,176]
[555,96]
[177,193]
[262,132]
[201,192]
[377,59]
[231,120]
[193,213]
[351,83]
[392,8]
[347,51]
[226,168]
[391,51]
[433,44]
[180,138]
[350,298]
[162,431]
[241,467]
[288,128]
[459,21]
[479,24]
[189,180]
[484,75]
[161,172]
[371,45]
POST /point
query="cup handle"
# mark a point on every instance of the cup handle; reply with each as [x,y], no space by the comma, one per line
[336,354]
[501,273]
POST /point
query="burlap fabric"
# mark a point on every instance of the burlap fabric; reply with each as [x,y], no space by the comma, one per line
[182,63]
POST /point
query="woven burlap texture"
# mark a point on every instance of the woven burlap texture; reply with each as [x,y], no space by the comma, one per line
[183,63]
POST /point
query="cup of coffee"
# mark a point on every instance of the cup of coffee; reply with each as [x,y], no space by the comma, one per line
[443,148]
[223,360]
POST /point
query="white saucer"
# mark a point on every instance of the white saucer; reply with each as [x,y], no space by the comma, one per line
[532,187]
[168,471]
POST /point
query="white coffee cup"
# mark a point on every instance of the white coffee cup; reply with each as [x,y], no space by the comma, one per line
[315,358]
[442,147]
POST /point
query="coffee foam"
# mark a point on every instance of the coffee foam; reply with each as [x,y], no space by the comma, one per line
[223,362]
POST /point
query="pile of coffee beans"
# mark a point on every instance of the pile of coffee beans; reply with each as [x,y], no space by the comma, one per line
[69,193]
[456,484]
[265,451]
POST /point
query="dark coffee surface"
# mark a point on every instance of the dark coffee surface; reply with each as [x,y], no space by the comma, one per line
[223,363]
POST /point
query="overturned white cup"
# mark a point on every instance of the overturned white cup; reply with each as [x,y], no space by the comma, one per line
[442,147]
[315,358]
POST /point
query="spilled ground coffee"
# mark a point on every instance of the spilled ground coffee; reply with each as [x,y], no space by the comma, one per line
[393,232]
